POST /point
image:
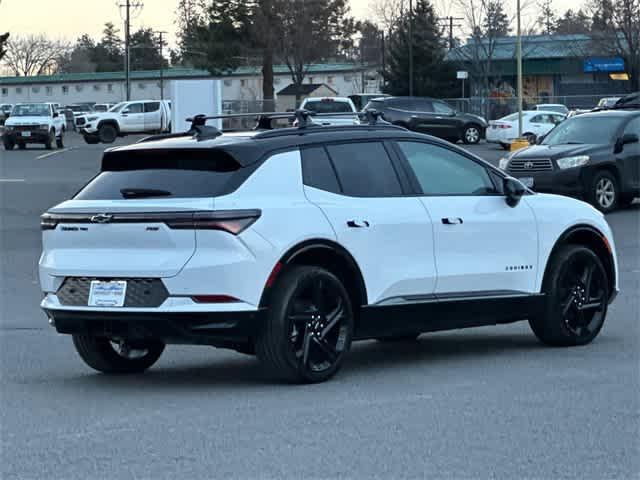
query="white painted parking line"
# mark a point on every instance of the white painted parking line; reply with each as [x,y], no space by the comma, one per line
[11,180]
[52,153]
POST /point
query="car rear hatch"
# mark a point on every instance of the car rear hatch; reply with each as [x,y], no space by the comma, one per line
[139,215]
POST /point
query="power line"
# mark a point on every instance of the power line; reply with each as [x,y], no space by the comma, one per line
[450,25]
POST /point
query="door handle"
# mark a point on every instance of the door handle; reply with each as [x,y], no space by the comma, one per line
[357,223]
[452,221]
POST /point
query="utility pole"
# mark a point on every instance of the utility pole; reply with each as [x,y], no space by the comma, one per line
[519,61]
[127,59]
[411,48]
[451,23]
[161,66]
[128,5]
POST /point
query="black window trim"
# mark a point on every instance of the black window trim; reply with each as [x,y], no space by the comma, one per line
[492,171]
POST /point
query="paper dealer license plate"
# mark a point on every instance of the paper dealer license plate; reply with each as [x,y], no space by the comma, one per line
[107,294]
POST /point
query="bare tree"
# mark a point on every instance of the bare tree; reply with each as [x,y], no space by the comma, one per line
[616,30]
[33,54]
[388,12]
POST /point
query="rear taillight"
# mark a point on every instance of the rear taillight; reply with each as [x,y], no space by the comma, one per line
[232,221]
[504,126]
[48,222]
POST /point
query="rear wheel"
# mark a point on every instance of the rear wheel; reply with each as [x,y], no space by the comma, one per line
[309,326]
[8,145]
[530,137]
[91,140]
[471,134]
[107,133]
[505,146]
[109,356]
[577,293]
[604,191]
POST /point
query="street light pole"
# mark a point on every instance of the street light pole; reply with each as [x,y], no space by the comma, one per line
[411,48]
[519,61]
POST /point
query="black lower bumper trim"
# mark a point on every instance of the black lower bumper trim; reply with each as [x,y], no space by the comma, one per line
[208,328]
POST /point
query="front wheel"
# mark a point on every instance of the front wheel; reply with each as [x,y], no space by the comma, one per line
[577,292]
[51,139]
[60,140]
[107,134]
[109,356]
[471,135]
[604,192]
[8,145]
[308,328]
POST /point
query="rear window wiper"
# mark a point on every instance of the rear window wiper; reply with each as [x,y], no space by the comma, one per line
[143,192]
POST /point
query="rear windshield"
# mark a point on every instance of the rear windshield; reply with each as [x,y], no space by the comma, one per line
[165,174]
[328,106]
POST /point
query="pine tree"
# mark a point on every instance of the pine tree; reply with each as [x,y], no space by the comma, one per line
[432,75]
[547,17]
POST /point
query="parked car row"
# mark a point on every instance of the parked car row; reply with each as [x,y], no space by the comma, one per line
[594,156]
[34,123]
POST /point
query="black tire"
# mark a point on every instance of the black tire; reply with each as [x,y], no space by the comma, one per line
[100,354]
[308,326]
[412,337]
[51,139]
[530,137]
[471,134]
[91,140]
[505,146]
[604,193]
[22,145]
[107,133]
[8,145]
[60,140]
[577,301]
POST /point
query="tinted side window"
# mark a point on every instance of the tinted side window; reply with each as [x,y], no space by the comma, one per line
[419,105]
[151,107]
[537,119]
[365,170]
[441,171]
[134,108]
[317,170]
[442,108]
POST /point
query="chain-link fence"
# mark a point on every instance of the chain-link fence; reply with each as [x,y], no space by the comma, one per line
[493,108]
[244,106]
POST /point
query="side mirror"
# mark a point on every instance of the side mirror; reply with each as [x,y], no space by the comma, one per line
[56,114]
[626,139]
[126,111]
[513,190]
[453,113]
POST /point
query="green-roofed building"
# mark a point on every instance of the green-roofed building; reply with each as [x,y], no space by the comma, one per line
[553,66]
[241,84]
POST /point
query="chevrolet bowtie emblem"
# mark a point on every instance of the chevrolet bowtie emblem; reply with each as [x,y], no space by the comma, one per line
[101,218]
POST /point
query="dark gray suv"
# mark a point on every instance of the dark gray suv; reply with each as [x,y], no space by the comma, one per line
[432,116]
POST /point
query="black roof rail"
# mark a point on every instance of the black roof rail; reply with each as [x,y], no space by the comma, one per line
[302,119]
[326,129]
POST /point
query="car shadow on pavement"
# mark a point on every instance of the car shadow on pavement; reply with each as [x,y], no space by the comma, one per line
[429,351]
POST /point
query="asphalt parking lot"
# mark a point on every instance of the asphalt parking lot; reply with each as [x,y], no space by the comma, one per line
[475,404]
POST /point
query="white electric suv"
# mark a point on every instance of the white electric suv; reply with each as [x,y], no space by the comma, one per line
[291,243]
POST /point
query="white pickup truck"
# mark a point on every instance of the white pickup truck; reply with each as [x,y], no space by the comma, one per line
[139,116]
[34,123]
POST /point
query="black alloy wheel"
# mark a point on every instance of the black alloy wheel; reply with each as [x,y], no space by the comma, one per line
[578,293]
[309,326]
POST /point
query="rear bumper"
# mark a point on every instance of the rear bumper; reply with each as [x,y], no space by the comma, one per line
[222,329]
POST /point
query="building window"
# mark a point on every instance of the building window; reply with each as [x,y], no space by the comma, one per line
[5,92]
[330,79]
[109,87]
[49,90]
[65,89]
[18,90]
[35,89]
[243,83]
[348,78]
[228,82]
[142,86]
[310,79]
[96,88]
[79,88]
